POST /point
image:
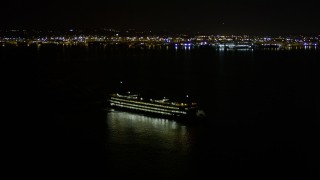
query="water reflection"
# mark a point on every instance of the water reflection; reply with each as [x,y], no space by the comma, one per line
[144,145]
[131,129]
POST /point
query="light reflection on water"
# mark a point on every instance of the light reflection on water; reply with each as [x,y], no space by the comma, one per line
[131,129]
[143,145]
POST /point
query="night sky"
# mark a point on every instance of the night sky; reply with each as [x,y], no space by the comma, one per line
[206,16]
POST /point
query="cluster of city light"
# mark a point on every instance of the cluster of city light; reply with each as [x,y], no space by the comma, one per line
[178,41]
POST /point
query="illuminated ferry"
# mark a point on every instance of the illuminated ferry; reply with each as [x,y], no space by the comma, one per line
[164,107]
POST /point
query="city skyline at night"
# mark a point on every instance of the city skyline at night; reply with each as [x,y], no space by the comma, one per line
[163,89]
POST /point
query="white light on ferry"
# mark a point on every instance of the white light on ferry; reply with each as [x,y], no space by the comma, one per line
[187,96]
[120,82]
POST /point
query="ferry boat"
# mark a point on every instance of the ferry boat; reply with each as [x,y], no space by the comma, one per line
[162,107]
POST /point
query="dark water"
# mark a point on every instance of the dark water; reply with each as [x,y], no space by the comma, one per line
[262,107]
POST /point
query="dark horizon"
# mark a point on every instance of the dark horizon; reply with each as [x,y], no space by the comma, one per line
[214,17]
[16,31]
